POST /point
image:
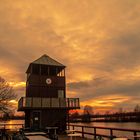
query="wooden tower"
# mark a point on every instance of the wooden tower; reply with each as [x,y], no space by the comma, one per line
[45,103]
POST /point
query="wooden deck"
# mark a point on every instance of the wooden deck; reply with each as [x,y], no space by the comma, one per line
[64,137]
[37,138]
[61,137]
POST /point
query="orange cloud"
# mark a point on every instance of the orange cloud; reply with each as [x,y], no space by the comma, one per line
[98,43]
[106,101]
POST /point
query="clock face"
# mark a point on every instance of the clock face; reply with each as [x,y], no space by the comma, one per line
[48,81]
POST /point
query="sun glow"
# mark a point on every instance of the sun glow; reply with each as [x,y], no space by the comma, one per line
[18,84]
[13,101]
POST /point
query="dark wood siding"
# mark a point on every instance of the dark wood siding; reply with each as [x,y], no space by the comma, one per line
[37,86]
[49,92]
[41,80]
[54,118]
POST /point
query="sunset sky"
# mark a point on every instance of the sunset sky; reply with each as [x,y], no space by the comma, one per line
[98,41]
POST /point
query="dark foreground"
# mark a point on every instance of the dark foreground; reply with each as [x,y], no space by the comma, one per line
[10,135]
[81,132]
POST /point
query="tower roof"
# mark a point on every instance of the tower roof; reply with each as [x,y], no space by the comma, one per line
[46,60]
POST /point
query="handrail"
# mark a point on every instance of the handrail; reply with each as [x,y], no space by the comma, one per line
[39,102]
[111,129]
[4,125]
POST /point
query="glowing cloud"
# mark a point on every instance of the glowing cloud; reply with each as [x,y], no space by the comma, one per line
[97,40]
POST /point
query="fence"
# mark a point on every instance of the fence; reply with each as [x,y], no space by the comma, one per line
[93,131]
[11,126]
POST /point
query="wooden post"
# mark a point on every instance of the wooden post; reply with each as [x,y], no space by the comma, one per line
[135,134]
[82,131]
[111,134]
[64,72]
[68,120]
[95,133]
[73,128]
[68,102]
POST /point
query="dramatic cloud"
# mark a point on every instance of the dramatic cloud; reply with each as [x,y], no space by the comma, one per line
[107,92]
[97,40]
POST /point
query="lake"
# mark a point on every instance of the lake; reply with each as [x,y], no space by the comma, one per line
[125,125]
[131,125]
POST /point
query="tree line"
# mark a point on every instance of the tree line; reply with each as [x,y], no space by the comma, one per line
[119,116]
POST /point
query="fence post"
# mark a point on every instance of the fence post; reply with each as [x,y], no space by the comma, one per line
[73,127]
[95,133]
[82,131]
[135,134]
[111,134]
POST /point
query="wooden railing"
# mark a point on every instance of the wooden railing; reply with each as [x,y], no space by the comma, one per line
[11,126]
[36,102]
[93,131]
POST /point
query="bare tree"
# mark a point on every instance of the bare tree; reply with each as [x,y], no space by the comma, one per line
[88,111]
[6,94]
[137,108]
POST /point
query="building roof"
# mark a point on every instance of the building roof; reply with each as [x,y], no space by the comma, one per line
[46,60]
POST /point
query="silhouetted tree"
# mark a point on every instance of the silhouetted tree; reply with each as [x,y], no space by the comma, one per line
[107,118]
[120,111]
[6,94]
[137,108]
[88,111]
[137,111]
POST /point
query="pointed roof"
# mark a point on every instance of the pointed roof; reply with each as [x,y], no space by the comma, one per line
[46,60]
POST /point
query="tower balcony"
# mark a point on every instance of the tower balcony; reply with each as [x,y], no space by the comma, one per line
[48,103]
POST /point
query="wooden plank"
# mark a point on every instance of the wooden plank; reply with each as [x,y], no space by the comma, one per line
[65,137]
[37,138]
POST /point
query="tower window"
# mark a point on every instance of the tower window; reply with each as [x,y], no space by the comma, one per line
[52,71]
[35,69]
[44,70]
